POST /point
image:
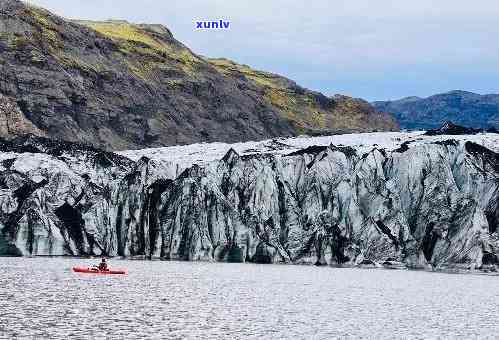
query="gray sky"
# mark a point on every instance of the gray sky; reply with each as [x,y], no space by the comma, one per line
[374,49]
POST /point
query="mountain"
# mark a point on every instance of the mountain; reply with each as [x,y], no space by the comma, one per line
[460,107]
[402,199]
[118,85]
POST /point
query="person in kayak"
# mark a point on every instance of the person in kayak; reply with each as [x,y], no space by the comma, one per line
[103,265]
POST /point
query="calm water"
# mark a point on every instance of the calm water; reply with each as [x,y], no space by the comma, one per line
[42,298]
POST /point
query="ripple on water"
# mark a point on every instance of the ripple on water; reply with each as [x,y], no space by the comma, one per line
[42,298]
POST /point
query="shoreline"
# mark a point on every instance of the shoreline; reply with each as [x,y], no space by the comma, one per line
[491,270]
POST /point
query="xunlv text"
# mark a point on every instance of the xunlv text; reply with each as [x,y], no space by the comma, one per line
[219,24]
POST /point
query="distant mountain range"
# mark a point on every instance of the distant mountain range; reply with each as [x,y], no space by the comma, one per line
[118,85]
[460,107]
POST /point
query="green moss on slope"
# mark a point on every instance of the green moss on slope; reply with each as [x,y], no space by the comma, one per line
[147,54]
[309,112]
[47,29]
[121,85]
[145,50]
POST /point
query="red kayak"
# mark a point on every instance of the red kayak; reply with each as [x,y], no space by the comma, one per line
[89,270]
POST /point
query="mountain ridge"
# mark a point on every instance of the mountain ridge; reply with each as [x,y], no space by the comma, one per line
[464,108]
[119,85]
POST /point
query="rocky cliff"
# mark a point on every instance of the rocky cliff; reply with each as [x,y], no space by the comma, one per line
[460,107]
[13,122]
[369,198]
[118,85]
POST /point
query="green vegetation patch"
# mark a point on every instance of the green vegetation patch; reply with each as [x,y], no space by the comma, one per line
[46,27]
[144,52]
[300,108]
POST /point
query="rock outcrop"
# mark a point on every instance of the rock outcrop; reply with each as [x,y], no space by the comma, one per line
[450,128]
[117,85]
[423,202]
[12,120]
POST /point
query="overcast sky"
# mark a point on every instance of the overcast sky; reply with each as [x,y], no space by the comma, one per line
[374,49]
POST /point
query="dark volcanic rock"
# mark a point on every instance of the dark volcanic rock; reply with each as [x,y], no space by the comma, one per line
[12,120]
[451,129]
[117,85]
[34,144]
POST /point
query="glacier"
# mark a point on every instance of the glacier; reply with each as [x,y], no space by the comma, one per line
[393,198]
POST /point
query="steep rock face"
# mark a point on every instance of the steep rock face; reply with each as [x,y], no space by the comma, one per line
[310,112]
[12,120]
[117,85]
[461,107]
[427,203]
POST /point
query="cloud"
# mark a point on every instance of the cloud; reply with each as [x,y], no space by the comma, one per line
[371,49]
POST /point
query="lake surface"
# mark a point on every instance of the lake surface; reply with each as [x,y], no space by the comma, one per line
[42,298]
